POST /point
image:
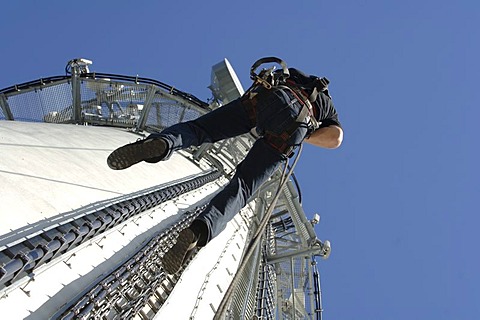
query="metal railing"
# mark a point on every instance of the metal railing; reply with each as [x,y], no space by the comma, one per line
[100,99]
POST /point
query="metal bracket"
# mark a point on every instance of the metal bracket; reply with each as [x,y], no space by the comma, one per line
[5,107]
[146,108]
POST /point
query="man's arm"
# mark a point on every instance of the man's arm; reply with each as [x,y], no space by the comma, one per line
[330,137]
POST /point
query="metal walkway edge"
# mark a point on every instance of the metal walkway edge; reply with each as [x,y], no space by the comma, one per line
[20,259]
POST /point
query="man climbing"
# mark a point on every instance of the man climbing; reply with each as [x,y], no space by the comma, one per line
[285,108]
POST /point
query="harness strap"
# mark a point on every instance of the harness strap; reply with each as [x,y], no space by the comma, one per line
[277,141]
[306,104]
[250,103]
[268,79]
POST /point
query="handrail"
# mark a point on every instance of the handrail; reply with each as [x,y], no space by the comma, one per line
[170,89]
[137,103]
[31,84]
[52,79]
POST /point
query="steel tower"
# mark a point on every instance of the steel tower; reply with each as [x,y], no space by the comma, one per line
[80,241]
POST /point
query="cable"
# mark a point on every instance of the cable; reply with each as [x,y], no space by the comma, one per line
[298,186]
[70,64]
[256,238]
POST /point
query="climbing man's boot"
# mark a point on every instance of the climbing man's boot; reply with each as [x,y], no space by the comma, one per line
[150,149]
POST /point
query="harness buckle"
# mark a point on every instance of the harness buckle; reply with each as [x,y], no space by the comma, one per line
[263,82]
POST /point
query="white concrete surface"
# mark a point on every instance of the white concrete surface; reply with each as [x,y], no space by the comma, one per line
[48,169]
[62,280]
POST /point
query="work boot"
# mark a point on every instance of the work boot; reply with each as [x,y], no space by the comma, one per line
[150,149]
[153,160]
[174,259]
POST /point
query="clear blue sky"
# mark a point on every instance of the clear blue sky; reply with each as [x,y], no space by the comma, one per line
[400,199]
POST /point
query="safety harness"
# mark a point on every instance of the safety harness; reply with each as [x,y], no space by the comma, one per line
[270,79]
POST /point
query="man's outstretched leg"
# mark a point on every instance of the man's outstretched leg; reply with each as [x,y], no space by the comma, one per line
[225,122]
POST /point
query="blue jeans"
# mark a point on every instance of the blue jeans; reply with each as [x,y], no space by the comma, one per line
[276,110]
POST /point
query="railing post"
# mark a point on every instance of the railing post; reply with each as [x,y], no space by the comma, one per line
[77,101]
[77,67]
[292,273]
[146,107]
[6,109]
